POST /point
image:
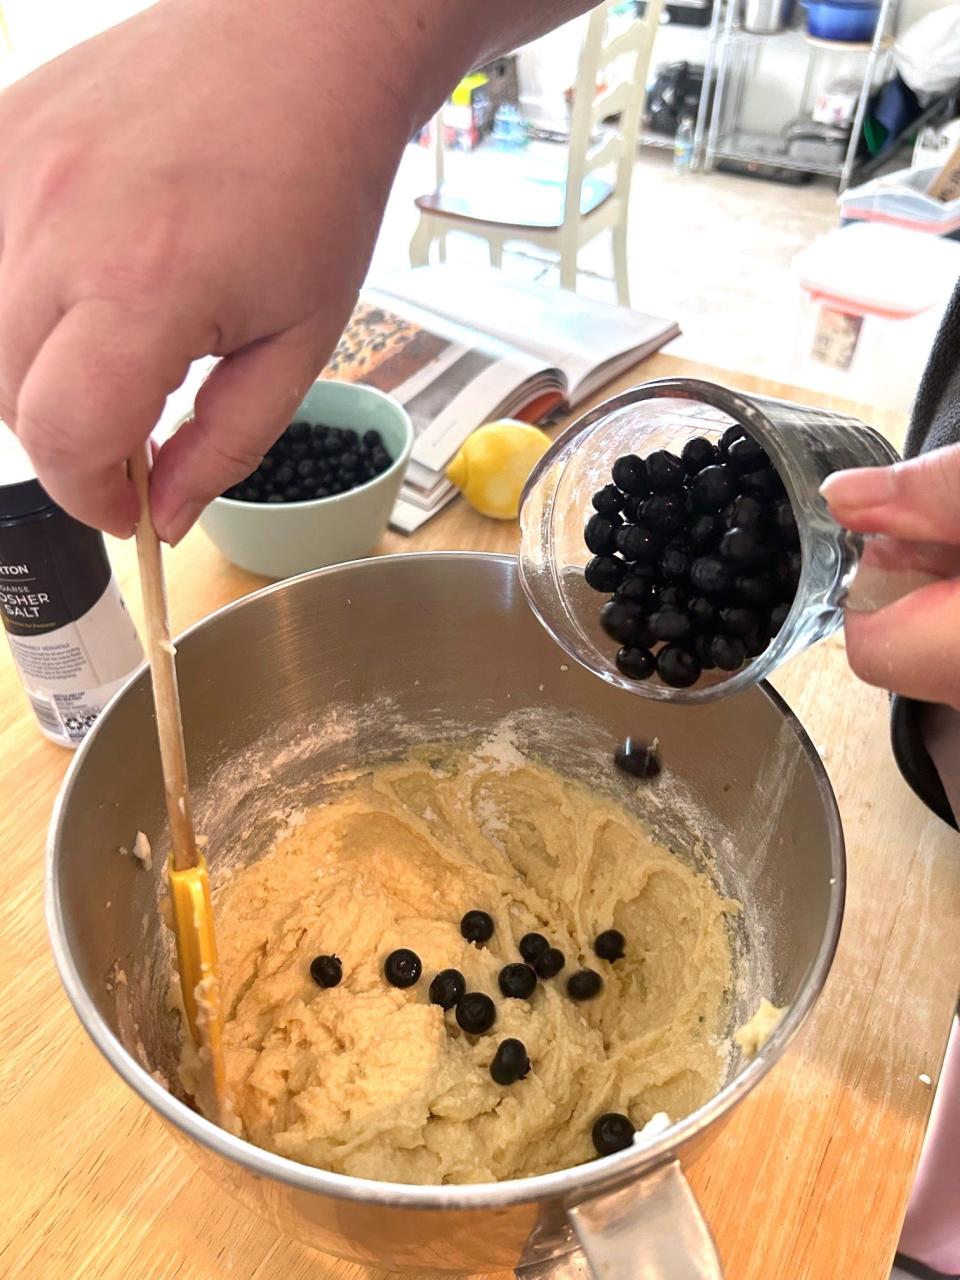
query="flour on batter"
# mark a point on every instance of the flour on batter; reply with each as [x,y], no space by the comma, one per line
[369,1080]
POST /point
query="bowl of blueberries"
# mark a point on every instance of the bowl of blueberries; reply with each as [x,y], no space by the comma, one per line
[323,492]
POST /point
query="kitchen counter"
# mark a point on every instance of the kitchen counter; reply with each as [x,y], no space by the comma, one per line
[808,1180]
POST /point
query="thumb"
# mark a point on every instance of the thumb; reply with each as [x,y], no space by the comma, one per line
[918,500]
[240,410]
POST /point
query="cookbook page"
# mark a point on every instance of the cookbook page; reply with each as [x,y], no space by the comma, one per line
[449,378]
[591,342]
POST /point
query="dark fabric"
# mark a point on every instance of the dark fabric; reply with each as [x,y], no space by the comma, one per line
[935,421]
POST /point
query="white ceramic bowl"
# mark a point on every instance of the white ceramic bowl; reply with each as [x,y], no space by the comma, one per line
[280,540]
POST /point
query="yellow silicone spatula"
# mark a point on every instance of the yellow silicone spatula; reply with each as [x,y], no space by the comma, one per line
[186,868]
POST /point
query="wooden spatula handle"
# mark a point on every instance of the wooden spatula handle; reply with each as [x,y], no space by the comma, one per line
[163,671]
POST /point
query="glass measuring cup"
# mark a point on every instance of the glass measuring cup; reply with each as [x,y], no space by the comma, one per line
[805,444]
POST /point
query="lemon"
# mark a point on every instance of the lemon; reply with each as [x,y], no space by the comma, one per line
[491,468]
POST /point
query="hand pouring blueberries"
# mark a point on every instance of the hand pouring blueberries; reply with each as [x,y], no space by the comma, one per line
[696,511]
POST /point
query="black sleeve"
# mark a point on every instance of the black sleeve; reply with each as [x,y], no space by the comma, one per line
[935,421]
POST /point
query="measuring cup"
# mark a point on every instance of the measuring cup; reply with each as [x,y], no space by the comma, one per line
[805,444]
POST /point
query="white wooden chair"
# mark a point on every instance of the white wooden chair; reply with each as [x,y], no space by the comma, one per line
[561,216]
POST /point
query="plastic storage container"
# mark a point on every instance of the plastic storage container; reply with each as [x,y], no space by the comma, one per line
[872,299]
[900,199]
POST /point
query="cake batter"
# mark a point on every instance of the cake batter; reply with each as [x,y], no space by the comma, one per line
[370,1080]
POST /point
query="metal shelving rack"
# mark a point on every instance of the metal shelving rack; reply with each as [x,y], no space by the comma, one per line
[733,52]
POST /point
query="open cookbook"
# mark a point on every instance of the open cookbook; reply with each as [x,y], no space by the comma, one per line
[459,348]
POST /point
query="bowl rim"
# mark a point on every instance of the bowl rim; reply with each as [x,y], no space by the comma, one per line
[399,463]
[574,1184]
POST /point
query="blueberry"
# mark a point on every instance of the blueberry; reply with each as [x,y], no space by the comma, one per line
[786,524]
[476,1013]
[669,624]
[744,512]
[608,501]
[298,430]
[477,927]
[510,1063]
[710,575]
[637,758]
[635,588]
[677,667]
[297,452]
[610,945]
[636,544]
[746,455]
[778,616]
[756,592]
[293,493]
[738,622]
[703,532]
[664,512]
[600,534]
[349,462]
[549,963]
[306,468]
[697,454]
[788,571]
[447,988]
[625,623]
[702,612]
[275,497]
[517,981]
[321,491]
[532,946]
[332,446]
[713,488]
[630,474]
[604,573]
[674,564]
[380,460]
[267,465]
[631,508]
[585,984]
[756,641]
[665,472]
[635,662]
[762,484]
[326,971]
[612,1132]
[373,440]
[727,653]
[402,968]
[284,475]
[728,437]
[671,597]
[744,548]
[349,437]
[701,648]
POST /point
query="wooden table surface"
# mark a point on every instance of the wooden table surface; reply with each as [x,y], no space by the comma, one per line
[808,1181]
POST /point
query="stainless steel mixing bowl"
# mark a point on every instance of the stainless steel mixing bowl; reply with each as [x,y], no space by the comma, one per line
[357,662]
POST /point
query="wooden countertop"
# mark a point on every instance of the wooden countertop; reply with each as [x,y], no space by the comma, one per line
[809,1179]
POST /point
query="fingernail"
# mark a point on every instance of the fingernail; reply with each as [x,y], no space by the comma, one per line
[182,522]
[862,487]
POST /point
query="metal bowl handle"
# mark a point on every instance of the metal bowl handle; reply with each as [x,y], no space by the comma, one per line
[652,1229]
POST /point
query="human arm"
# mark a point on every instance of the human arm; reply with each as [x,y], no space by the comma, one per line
[206,178]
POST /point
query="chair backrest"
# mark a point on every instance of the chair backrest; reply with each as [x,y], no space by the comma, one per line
[622,62]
